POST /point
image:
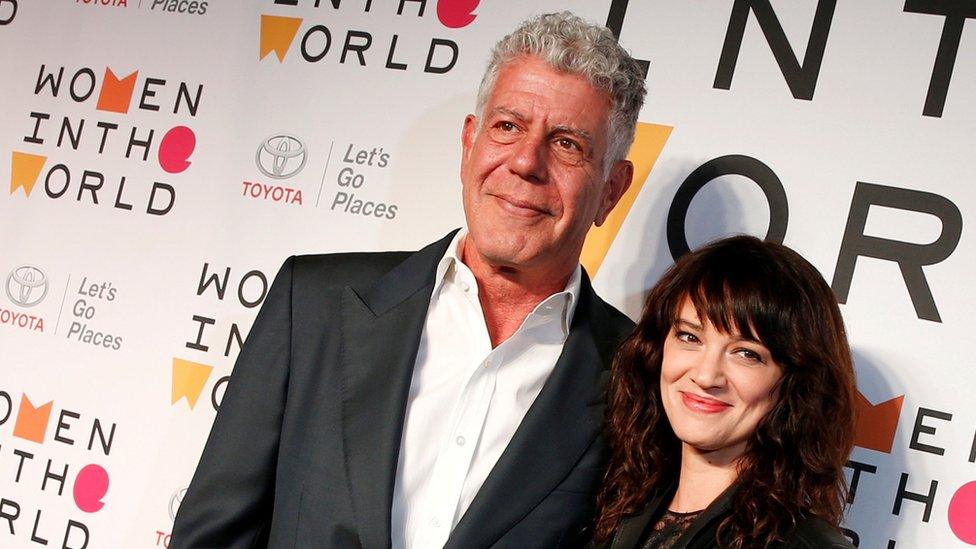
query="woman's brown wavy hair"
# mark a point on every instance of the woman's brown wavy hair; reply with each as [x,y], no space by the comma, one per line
[793,464]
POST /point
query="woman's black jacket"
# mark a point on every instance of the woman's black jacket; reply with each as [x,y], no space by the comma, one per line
[809,533]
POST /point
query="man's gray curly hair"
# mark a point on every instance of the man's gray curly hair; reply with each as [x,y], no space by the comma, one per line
[570,44]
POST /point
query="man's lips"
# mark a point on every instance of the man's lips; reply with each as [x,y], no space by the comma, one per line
[520,207]
[702,404]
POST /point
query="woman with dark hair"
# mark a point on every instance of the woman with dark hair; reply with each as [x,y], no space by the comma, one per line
[731,408]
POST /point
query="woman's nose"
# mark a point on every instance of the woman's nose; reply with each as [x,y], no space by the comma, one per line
[709,370]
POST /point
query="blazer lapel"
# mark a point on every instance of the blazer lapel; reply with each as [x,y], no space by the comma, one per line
[715,511]
[630,533]
[559,426]
[381,328]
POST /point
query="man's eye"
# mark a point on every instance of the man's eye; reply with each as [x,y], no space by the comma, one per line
[568,144]
[505,131]
[569,151]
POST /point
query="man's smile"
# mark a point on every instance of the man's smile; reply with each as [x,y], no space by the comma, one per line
[520,207]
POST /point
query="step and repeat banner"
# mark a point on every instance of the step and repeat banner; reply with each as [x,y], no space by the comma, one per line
[161,158]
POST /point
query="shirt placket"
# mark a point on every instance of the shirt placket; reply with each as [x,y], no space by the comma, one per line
[458,447]
[456,453]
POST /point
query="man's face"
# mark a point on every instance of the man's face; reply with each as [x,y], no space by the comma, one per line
[532,169]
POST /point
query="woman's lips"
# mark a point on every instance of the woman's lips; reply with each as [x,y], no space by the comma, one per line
[703,404]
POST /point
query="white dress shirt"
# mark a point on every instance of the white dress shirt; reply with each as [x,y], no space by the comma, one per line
[466,399]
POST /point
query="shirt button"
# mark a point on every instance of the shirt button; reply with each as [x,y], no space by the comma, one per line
[464,286]
[435,522]
[460,441]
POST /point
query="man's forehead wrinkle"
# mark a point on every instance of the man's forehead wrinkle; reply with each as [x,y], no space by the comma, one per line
[556,128]
[513,112]
[573,130]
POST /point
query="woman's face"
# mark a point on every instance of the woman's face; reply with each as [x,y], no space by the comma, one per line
[716,387]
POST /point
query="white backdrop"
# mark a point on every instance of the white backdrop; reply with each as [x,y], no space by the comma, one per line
[116,339]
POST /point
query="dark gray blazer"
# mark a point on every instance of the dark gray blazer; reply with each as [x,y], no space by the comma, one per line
[303,452]
[811,533]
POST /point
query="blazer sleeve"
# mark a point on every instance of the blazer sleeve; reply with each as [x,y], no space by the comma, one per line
[229,501]
[813,533]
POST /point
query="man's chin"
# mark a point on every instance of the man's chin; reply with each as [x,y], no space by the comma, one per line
[507,258]
[510,254]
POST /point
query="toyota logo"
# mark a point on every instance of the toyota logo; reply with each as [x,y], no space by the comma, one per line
[281,156]
[26,285]
[174,503]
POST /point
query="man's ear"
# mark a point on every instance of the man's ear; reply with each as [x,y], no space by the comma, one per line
[614,188]
[469,131]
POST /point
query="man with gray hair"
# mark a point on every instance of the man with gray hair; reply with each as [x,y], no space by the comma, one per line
[450,397]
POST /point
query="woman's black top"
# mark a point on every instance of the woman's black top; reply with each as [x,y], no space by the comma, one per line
[668,529]
[638,531]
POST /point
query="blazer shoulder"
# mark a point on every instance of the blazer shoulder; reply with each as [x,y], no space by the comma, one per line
[617,324]
[343,269]
[813,532]
[621,322]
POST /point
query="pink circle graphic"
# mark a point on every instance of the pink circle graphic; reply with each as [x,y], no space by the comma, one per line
[455,14]
[962,513]
[175,148]
[91,485]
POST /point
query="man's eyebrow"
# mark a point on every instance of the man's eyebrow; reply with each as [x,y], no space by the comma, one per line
[510,112]
[582,134]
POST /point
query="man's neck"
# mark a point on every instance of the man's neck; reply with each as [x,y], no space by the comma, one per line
[508,295]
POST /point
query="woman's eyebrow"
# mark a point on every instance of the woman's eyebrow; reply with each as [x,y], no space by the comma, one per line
[749,338]
[689,324]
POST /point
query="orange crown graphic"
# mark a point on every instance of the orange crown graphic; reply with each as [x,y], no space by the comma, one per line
[649,141]
[32,421]
[116,94]
[277,34]
[24,171]
[189,379]
[876,423]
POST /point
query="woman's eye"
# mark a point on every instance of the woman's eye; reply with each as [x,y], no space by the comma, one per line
[750,355]
[687,337]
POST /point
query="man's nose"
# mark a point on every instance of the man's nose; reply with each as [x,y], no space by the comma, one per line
[528,159]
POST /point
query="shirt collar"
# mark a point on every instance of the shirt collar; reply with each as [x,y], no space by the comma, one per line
[447,263]
[563,302]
